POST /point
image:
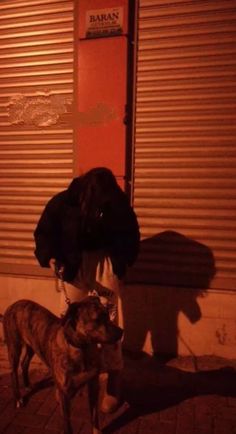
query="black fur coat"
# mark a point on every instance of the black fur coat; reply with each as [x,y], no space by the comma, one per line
[65,230]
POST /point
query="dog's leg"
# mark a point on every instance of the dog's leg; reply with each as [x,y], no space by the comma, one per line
[65,410]
[14,358]
[14,348]
[93,395]
[25,365]
[84,377]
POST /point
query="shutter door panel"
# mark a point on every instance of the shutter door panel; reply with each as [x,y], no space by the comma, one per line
[36,141]
[185,143]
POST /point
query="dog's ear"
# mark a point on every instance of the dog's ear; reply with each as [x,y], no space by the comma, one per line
[73,337]
[72,314]
[69,322]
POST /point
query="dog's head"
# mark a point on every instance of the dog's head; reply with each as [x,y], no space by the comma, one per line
[88,321]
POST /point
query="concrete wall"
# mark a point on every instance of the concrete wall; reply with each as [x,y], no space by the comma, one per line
[175,320]
[43,291]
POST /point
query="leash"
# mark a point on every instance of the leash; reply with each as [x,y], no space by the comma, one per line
[194,358]
[112,308]
[62,286]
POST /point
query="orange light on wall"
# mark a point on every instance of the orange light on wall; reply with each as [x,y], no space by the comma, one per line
[102,85]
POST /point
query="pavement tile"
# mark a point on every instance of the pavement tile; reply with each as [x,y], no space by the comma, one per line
[203,424]
[154,426]
[30,420]
[211,401]
[227,413]
[185,418]
[222,426]
[7,416]
[5,399]
[231,402]
[48,405]
[184,396]
[15,429]
[169,414]
[186,407]
[55,420]
[80,422]
[31,407]
[129,428]
[41,431]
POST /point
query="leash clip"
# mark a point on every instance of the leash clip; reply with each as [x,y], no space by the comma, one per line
[111,307]
[93,293]
[61,285]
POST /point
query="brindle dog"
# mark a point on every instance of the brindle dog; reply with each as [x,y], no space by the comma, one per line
[67,346]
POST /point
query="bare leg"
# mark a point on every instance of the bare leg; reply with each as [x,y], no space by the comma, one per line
[93,392]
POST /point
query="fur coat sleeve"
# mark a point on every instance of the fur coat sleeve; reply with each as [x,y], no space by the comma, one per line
[62,234]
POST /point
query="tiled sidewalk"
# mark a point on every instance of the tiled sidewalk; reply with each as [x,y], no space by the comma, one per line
[184,396]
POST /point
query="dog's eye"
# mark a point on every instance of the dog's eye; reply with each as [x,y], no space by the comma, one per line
[102,318]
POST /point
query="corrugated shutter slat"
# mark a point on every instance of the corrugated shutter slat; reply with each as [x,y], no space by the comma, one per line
[36,143]
[185,135]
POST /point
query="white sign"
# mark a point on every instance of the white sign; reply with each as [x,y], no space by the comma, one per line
[104,22]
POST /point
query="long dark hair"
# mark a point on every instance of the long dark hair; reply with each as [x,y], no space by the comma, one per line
[93,191]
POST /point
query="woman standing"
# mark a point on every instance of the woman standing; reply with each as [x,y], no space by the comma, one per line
[90,233]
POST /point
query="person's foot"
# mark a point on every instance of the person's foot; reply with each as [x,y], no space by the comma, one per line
[112,392]
[110,404]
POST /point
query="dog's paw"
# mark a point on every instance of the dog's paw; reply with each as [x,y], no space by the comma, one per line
[93,371]
[96,431]
[28,389]
[20,403]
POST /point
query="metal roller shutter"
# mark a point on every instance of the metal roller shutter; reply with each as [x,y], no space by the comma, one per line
[185,142]
[36,136]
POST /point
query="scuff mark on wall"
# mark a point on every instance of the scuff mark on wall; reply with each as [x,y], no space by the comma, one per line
[221,335]
[41,110]
[99,114]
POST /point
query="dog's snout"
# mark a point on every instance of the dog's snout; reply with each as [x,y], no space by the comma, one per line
[116,334]
[119,333]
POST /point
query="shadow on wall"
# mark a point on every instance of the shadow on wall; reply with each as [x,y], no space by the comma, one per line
[174,271]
